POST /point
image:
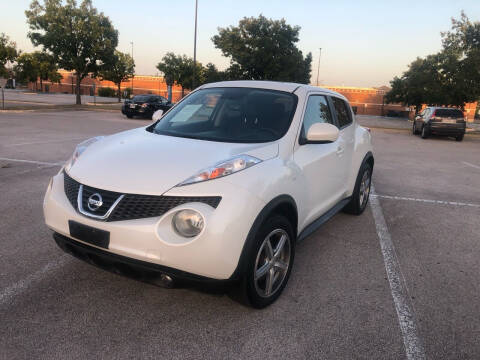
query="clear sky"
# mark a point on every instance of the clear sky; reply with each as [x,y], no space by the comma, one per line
[364,43]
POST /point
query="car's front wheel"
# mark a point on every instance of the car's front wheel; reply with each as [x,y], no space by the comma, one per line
[459,137]
[270,262]
[424,132]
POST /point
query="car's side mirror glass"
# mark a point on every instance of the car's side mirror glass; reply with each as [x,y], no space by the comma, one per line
[321,133]
[157,115]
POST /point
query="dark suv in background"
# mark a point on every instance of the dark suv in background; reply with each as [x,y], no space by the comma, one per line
[145,105]
[440,121]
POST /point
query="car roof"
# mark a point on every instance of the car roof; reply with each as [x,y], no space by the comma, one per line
[443,107]
[270,85]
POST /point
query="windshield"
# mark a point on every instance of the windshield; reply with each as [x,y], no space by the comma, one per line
[243,115]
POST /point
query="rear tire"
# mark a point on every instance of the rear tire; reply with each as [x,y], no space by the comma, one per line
[459,137]
[270,262]
[424,132]
[361,192]
[129,116]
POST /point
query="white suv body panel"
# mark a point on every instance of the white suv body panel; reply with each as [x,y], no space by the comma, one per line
[315,176]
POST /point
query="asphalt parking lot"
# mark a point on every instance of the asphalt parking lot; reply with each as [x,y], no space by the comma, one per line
[341,301]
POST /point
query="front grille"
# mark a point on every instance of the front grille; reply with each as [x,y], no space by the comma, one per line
[71,189]
[132,206]
[143,206]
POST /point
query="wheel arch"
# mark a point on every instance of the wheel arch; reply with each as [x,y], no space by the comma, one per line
[283,205]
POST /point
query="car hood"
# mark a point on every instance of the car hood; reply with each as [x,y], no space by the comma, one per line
[140,162]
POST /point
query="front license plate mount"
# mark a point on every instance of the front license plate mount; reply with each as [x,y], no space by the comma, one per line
[89,234]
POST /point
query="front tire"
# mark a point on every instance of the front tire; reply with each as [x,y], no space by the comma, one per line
[414,129]
[459,137]
[424,132]
[361,192]
[270,262]
[129,116]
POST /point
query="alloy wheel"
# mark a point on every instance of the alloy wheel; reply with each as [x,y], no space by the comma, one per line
[364,188]
[272,263]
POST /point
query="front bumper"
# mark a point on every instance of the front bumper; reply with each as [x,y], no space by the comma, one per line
[213,254]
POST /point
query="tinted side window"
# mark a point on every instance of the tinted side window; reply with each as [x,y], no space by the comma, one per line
[317,111]
[343,112]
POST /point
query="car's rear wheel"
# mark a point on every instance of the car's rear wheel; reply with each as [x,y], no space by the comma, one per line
[459,137]
[361,192]
[270,262]
[129,116]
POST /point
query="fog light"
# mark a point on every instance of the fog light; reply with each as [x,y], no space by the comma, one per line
[187,223]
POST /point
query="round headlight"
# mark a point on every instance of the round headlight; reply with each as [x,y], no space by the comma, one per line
[187,223]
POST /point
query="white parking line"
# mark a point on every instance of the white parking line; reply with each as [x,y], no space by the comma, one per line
[441,202]
[19,287]
[32,162]
[44,142]
[471,165]
[406,317]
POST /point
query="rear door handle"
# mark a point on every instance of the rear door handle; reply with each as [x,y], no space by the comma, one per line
[340,151]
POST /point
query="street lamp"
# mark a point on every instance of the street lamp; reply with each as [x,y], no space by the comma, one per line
[318,70]
[195,46]
[131,42]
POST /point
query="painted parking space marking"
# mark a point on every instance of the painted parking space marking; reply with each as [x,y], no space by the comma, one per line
[7,294]
[414,348]
[33,162]
[429,201]
[44,142]
[471,165]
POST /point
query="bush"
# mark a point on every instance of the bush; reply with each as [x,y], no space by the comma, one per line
[106,92]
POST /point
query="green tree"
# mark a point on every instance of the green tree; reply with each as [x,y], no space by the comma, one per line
[179,69]
[462,44]
[212,74]
[79,37]
[185,79]
[26,68]
[170,66]
[120,69]
[8,53]
[450,77]
[264,49]
[47,69]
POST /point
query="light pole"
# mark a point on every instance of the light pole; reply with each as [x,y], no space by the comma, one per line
[195,47]
[131,42]
[318,69]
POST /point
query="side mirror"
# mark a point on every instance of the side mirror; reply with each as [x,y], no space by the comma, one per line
[157,115]
[320,133]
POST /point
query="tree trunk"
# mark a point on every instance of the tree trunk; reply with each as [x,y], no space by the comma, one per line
[119,93]
[41,85]
[79,98]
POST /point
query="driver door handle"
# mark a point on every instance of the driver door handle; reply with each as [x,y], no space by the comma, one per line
[340,151]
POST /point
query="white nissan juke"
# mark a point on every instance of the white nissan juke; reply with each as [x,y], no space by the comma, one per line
[218,190]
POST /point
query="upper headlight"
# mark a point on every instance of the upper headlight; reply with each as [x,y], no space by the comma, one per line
[224,168]
[80,149]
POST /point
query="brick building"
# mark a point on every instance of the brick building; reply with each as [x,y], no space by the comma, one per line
[367,101]
[141,85]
